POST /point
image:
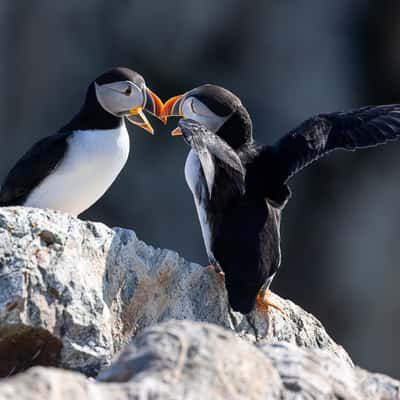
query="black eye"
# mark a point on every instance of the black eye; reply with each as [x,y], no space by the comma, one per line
[128,91]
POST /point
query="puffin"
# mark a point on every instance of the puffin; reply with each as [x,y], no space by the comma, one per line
[70,170]
[240,186]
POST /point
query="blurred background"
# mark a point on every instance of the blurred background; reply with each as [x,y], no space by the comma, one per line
[287,60]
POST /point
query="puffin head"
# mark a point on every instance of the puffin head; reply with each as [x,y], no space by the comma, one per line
[123,93]
[217,108]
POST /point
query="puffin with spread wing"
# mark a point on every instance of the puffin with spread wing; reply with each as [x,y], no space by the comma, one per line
[240,186]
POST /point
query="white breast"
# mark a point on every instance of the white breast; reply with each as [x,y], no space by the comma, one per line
[193,175]
[91,163]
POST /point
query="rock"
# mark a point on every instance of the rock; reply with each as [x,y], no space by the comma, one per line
[83,290]
[196,361]
[73,293]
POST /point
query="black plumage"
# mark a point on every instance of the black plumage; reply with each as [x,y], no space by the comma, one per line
[32,168]
[360,128]
[243,184]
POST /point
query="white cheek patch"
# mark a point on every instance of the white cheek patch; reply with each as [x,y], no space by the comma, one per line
[112,99]
[187,109]
[212,121]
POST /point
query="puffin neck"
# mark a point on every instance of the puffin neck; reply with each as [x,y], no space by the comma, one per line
[237,129]
[92,116]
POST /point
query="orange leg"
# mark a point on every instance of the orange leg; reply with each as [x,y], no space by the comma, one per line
[264,300]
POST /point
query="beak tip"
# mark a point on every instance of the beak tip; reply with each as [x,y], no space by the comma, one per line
[148,128]
[177,132]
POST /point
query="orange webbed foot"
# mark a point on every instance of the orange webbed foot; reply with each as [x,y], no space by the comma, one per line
[265,300]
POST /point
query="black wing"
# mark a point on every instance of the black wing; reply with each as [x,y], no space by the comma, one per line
[32,168]
[317,136]
[220,164]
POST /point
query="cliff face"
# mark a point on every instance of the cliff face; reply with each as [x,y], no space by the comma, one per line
[74,294]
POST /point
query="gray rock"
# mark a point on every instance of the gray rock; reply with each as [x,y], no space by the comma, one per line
[84,290]
[196,361]
[189,360]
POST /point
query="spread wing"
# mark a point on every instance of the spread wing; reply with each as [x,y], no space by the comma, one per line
[221,165]
[32,168]
[360,128]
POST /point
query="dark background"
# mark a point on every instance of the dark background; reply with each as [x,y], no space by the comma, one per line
[287,60]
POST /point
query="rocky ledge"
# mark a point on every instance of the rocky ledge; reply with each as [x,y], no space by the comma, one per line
[77,295]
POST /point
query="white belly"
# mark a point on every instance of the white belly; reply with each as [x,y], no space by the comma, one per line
[91,163]
[193,174]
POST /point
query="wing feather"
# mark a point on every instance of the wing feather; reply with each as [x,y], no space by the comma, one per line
[360,128]
[32,168]
[220,163]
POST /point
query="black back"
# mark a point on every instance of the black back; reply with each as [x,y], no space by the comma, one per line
[244,226]
[246,243]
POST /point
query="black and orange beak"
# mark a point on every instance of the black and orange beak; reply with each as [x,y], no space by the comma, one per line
[172,109]
[153,105]
[137,117]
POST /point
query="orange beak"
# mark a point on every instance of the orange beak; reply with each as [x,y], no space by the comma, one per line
[171,108]
[137,117]
[177,132]
[154,105]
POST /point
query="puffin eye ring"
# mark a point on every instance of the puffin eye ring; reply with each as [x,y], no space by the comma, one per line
[128,91]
